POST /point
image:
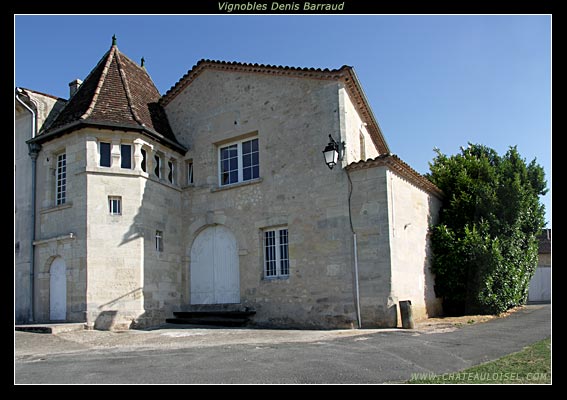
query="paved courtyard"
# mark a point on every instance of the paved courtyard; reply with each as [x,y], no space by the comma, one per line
[174,354]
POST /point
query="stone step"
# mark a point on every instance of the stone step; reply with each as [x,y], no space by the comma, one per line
[213,321]
[220,314]
[54,328]
[215,307]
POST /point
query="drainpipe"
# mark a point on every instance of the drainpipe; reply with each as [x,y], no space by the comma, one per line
[356,280]
[34,149]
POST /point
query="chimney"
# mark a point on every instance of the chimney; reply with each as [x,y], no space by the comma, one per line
[74,86]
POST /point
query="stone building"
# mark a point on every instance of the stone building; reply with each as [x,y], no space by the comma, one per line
[216,193]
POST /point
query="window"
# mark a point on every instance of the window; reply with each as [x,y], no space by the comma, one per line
[362,147]
[276,254]
[126,156]
[239,162]
[170,167]
[159,240]
[115,205]
[61,179]
[144,154]
[157,169]
[104,154]
[189,172]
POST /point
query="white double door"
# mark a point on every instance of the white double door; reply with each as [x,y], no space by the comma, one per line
[215,274]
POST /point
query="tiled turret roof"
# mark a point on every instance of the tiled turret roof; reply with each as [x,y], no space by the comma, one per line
[117,94]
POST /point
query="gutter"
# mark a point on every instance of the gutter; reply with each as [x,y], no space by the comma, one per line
[34,149]
[52,134]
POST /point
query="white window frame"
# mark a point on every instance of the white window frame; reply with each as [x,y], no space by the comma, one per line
[278,253]
[61,179]
[109,154]
[159,241]
[115,200]
[131,155]
[239,157]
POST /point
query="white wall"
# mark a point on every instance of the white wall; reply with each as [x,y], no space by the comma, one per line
[352,128]
[411,212]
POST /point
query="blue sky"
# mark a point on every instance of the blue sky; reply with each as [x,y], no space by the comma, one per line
[432,81]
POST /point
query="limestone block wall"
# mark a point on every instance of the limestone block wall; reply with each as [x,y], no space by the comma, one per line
[292,118]
[353,127]
[60,229]
[45,108]
[369,204]
[412,212]
[22,213]
[130,283]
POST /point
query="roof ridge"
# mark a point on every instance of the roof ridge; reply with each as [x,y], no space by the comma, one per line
[110,56]
[127,88]
[204,62]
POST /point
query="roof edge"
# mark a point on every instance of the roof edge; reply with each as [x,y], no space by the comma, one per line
[235,66]
[346,74]
[403,169]
[75,125]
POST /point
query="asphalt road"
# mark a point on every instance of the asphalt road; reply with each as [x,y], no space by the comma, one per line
[376,357]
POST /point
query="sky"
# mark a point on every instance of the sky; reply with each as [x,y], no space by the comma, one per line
[432,81]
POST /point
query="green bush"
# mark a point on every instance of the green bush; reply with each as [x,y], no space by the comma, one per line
[485,244]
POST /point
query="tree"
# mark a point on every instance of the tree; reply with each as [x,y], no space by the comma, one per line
[485,244]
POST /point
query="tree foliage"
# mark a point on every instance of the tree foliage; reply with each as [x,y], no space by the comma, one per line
[485,244]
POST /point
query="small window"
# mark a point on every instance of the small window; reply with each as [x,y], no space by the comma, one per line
[362,147]
[189,172]
[276,253]
[126,156]
[144,154]
[157,169]
[159,241]
[115,205]
[104,154]
[239,162]
[61,179]
[170,167]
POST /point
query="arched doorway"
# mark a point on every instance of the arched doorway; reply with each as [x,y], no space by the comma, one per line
[58,290]
[215,274]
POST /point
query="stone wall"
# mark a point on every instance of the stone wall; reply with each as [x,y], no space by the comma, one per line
[352,128]
[44,107]
[292,118]
[412,212]
[131,284]
[370,217]
[22,213]
[60,229]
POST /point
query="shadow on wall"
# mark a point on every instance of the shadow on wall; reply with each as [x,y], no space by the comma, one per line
[105,320]
[433,304]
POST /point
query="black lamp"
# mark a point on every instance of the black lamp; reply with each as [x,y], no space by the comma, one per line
[333,152]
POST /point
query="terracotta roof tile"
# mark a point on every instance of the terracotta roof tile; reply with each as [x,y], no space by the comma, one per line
[117,93]
[403,169]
